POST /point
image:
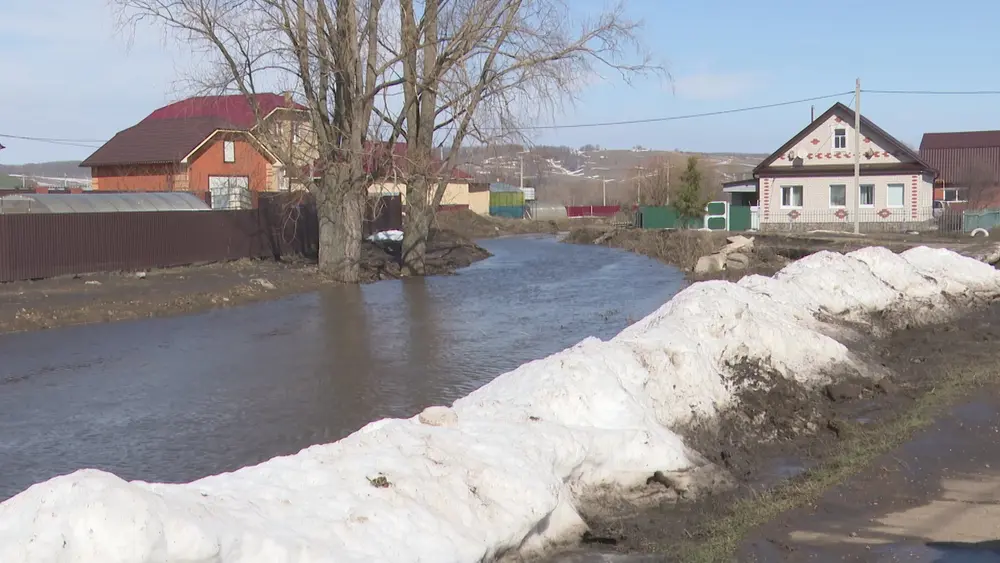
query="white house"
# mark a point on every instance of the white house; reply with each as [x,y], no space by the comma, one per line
[809,181]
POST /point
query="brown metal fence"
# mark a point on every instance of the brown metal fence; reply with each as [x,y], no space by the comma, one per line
[34,246]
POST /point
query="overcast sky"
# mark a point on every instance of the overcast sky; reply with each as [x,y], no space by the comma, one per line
[65,72]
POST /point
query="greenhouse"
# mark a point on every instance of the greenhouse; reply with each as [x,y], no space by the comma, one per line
[101,203]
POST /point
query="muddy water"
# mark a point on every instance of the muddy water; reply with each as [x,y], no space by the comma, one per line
[180,398]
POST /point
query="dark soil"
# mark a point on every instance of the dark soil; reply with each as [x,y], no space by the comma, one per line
[781,431]
[94,298]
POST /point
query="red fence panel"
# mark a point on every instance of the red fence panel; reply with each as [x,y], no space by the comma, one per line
[592,210]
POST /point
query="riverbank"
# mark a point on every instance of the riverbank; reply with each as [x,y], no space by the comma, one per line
[653,417]
[771,251]
[107,297]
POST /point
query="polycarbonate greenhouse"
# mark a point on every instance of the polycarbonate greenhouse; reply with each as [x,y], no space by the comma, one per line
[100,203]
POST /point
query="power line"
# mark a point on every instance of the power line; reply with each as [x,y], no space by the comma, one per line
[51,140]
[61,142]
[689,116]
[81,142]
[935,92]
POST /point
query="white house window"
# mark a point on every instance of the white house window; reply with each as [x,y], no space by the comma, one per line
[228,151]
[840,138]
[791,196]
[895,195]
[866,197]
[838,195]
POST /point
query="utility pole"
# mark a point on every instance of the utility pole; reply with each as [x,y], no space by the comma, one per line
[638,192]
[857,154]
[604,190]
[668,180]
[520,159]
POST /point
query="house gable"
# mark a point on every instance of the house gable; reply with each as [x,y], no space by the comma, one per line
[248,161]
[815,149]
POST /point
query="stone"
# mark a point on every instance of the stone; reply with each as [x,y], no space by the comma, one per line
[842,391]
[438,416]
[737,261]
[140,275]
[710,264]
[263,283]
[92,282]
[738,243]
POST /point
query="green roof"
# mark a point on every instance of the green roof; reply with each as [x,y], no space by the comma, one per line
[9,182]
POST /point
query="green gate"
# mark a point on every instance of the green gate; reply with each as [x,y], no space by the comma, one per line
[717,216]
[739,218]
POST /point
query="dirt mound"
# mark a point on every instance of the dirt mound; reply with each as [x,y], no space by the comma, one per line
[447,251]
[472,225]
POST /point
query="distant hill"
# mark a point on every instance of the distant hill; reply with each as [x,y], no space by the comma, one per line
[56,169]
[577,176]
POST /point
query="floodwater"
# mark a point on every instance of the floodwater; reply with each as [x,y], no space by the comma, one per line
[176,399]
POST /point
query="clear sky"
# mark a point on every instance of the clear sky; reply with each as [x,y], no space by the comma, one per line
[65,72]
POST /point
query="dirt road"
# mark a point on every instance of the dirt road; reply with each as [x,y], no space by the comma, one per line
[934,499]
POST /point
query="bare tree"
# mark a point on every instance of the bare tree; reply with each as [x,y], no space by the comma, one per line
[981,186]
[331,54]
[476,69]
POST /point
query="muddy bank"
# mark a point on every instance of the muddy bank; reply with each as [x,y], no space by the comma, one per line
[473,226]
[787,445]
[106,297]
[772,251]
[683,249]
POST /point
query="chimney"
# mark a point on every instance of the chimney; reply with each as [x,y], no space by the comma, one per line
[288,98]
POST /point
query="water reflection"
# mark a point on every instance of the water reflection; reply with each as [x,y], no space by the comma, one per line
[179,398]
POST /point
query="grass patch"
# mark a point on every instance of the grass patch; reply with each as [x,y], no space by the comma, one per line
[719,540]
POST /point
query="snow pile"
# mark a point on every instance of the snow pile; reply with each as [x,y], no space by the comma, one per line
[387,236]
[505,467]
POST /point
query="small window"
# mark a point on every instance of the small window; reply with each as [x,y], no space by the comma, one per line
[228,151]
[867,195]
[791,196]
[895,195]
[953,194]
[838,195]
[840,138]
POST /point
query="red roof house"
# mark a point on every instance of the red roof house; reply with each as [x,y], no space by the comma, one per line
[203,144]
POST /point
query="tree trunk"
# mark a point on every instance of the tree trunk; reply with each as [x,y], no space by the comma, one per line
[420,214]
[340,213]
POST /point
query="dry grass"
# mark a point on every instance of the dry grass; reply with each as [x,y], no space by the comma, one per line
[679,248]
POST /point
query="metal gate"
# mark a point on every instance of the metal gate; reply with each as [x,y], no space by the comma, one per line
[740,217]
[717,216]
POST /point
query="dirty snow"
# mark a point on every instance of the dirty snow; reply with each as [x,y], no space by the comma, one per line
[505,467]
[387,236]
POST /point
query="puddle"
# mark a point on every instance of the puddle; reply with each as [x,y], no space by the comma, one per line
[779,470]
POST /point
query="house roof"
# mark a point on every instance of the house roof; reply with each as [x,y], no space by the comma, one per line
[155,141]
[847,114]
[963,158]
[960,140]
[235,109]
